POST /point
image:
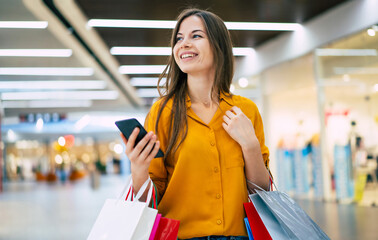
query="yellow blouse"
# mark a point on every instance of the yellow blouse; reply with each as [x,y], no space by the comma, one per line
[203,185]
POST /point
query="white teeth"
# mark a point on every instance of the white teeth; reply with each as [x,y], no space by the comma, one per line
[187,55]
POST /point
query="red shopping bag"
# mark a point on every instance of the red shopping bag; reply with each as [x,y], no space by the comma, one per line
[258,228]
[167,229]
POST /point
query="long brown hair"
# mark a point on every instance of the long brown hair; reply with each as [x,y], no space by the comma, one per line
[176,86]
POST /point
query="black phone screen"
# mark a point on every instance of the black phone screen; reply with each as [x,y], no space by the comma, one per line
[128,125]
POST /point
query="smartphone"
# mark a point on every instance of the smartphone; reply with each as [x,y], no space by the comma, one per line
[128,125]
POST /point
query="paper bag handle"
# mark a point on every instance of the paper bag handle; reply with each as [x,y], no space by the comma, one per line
[129,184]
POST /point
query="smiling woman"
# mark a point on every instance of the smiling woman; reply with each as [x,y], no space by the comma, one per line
[212,140]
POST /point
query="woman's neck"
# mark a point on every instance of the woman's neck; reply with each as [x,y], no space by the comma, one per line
[199,88]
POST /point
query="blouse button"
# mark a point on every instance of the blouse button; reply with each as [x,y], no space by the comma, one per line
[219,222]
[212,143]
[218,196]
[216,170]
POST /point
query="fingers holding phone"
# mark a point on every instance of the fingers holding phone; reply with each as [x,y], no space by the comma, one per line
[145,150]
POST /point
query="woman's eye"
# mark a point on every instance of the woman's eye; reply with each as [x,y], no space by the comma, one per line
[197,36]
[178,39]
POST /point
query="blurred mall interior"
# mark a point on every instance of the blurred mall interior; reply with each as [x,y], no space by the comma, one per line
[68,72]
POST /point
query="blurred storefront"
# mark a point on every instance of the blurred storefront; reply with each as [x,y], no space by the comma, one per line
[59,152]
[321,118]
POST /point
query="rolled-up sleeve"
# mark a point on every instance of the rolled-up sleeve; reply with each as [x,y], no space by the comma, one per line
[157,169]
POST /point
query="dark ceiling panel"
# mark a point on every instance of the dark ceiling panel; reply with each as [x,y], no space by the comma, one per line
[142,60]
[236,10]
[135,37]
[298,11]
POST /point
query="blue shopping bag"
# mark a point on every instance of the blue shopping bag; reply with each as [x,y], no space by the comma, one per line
[250,236]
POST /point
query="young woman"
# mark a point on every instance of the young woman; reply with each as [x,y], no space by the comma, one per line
[213,141]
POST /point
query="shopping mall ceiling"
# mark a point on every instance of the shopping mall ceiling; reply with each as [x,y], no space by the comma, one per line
[88,77]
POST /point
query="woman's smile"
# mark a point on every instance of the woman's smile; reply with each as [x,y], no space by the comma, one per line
[192,51]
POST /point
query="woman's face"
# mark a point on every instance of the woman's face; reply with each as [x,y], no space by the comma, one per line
[192,52]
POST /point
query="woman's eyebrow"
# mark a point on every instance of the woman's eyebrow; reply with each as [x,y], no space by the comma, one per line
[197,30]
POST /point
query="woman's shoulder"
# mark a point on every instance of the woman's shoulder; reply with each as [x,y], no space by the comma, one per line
[243,102]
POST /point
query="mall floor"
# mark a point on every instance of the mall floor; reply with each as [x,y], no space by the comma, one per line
[31,211]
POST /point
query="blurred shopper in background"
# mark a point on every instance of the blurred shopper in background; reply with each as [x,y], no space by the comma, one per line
[213,140]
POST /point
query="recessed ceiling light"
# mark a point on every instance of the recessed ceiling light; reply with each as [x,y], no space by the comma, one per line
[47,71]
[162,24]
[35,52]
[52,84]
[71,95]
[146,81]
[148,92]
[262,26]
[150,51]
[141,69]
[166,51]
[23,24]
[47,104]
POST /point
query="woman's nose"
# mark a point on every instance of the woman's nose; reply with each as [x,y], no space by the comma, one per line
[185,43]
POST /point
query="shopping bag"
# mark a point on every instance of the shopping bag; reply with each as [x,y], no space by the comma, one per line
[258,229]
[271,227]
[283,217]
[155,227]
[248,227]
[167,229]
[125,220]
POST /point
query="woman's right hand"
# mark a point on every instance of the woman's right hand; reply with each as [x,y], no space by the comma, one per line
[140,156]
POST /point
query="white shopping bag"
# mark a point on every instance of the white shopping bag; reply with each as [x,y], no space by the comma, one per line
[125,220]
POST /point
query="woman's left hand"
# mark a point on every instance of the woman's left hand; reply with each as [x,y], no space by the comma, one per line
[239,127]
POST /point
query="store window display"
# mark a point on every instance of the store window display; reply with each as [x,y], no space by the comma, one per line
[347,81]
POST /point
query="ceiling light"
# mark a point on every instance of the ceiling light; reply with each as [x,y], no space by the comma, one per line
[376,87]
[148,92]
[51,84]
[371,32]
[23,24]
[162,24]
[243,51]
[146,81]
[47,71]
[35,52]
[345,52]
[131,23]
[141,69]
[166,51]
[243,82]
[47,104]
[150,51]
[263,26]
[71,95]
